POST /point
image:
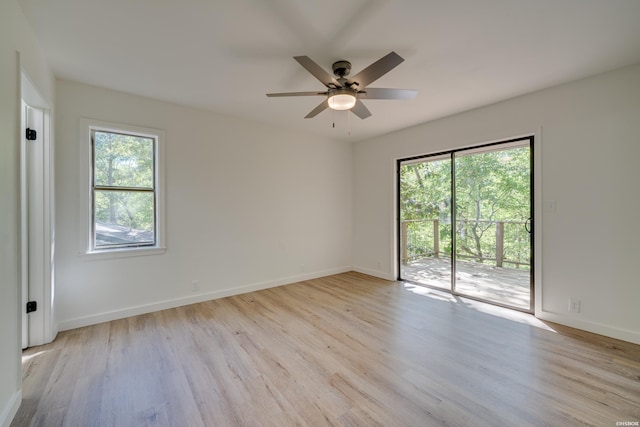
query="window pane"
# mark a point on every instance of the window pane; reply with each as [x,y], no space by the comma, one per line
[123,160]
[124,218]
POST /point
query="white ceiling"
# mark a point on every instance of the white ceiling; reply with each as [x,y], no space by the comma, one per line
[225,55]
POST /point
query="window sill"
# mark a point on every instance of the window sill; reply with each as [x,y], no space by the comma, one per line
[122,253]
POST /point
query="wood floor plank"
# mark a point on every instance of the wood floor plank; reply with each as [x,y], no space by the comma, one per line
[344,350]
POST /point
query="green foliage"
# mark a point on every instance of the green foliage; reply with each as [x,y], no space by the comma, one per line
[131,210]
[493,185]
[124,162]
[425,190]
[489,187]
[426,195]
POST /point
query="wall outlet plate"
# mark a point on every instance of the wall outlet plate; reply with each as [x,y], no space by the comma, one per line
[574,305]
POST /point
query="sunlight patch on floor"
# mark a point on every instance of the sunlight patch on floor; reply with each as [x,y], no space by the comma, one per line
[28,357]
[493,310]
[432,293]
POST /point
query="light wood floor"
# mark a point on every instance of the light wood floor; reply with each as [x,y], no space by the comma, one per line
[346,350]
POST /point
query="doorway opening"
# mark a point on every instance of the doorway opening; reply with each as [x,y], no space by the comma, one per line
[465,222]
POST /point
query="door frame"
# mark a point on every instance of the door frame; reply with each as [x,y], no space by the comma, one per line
[533,300]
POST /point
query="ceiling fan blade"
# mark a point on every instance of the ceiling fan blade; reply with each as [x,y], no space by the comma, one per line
[383,93]
[319,109]
[360,110]
[317,71]
[296,94]
[376,70]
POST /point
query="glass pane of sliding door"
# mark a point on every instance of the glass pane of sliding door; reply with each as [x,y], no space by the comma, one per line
[425,226]
[492,240]
[464,222]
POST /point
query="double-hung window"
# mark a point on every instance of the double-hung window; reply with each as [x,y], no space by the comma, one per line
[125,189]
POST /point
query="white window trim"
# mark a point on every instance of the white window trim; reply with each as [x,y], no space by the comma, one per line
[85,216]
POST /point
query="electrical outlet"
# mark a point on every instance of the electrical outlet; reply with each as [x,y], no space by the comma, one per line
[574,305]
[195,286]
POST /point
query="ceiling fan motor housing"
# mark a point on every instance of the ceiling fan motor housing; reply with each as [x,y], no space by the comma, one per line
[341,68]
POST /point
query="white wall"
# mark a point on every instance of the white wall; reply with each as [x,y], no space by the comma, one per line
[588,136]
[247,206]
[15,36]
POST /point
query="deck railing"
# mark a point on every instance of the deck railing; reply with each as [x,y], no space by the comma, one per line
[495,242]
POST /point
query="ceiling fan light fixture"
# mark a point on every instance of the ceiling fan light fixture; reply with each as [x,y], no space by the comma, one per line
[343,99]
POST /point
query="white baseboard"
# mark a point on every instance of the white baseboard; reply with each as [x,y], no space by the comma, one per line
[596,328]
[192,299]
[10,409]
[374,273]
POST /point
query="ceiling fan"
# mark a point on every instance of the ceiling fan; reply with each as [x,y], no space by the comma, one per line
[346,93]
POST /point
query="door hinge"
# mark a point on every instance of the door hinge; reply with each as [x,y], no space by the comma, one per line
[31,134]
[32,306]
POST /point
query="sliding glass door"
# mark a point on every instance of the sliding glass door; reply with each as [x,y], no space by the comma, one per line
[425,229]
[465,222]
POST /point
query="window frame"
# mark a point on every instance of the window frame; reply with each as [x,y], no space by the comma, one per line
[88,127]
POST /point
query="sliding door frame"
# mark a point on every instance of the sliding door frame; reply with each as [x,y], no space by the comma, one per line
[452,155]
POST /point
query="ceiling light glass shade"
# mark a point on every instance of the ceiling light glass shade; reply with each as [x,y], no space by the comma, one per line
[342,100]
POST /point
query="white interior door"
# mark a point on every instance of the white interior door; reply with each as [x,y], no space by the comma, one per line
[33,222]
[24,228]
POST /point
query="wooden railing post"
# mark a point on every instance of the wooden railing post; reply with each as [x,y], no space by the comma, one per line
[499,243]
[403,242]
[436,238]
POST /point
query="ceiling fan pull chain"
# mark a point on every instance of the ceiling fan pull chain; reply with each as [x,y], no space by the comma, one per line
[349,122]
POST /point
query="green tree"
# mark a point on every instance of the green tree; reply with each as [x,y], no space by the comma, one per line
[490,186]
[425,189]
[124,163]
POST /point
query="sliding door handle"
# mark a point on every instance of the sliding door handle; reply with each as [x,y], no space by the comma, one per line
[527,225]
